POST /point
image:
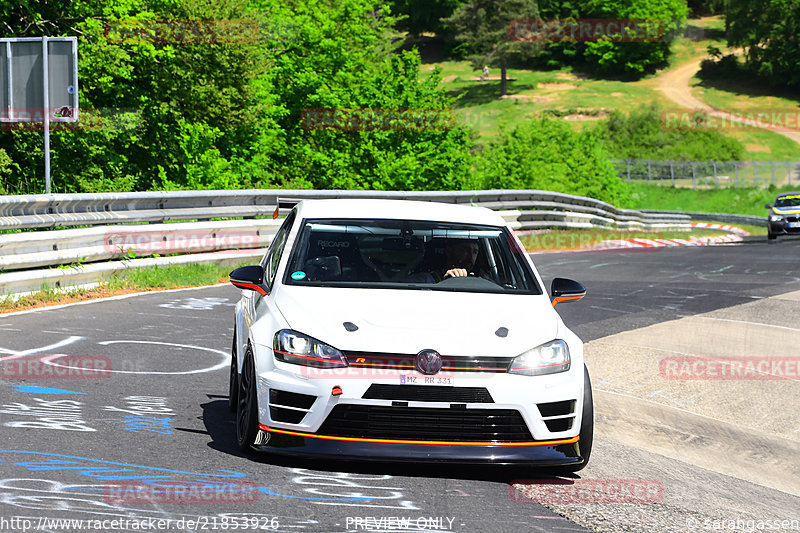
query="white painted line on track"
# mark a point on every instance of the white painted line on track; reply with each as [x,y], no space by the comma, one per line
[222,364]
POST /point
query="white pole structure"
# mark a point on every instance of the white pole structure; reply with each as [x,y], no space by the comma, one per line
[46,111]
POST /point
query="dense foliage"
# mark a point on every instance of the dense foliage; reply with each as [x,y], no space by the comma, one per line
[317,96]
[549,155]
[768,30]
[643,134]
[652,25]
[227,111]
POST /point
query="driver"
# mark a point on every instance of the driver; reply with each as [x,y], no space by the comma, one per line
[460,256]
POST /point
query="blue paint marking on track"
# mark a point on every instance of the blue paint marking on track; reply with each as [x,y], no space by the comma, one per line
[91,471]
[44,390]
[56,461]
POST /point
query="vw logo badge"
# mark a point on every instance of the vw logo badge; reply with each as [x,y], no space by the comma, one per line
[429,362]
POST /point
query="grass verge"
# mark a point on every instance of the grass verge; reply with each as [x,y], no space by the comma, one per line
[736,200]
[134,280]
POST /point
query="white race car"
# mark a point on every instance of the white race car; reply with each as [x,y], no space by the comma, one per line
[406,331]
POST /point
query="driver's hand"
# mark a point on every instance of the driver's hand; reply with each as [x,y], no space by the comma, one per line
[456,273]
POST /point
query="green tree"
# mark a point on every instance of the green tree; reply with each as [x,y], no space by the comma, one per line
[549,155]
[484,29]
[642,48]
[422,16]
[769,31]
[642,135]
[664,19]
[317,74]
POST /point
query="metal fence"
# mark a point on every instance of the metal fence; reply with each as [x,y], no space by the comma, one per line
[709,174]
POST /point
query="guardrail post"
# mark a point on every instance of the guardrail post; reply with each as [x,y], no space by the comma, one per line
[735,173]
[716,179]
[773,171]
[629,169]
[755,174]
[694,178]
[649,171]
[788,173]
[671,173]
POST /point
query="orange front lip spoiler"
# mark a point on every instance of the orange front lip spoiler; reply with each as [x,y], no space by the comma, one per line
[423,442]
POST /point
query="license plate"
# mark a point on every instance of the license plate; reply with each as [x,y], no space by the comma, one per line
[794,224]
[408,379]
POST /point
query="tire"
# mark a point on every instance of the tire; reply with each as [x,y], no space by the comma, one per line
[587,429]
[247,405]
[771,236]
[233,380]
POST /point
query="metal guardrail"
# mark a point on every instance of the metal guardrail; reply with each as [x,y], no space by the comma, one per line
[60,210]
[124,226]
[727,218]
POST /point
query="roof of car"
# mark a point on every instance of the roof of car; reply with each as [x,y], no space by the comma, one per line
[783,194]
[399,210]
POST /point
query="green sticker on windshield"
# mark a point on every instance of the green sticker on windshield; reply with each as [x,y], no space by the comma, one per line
[298,275]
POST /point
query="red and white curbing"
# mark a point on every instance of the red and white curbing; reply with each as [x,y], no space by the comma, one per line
[721,227]
[658,243]
[735,235]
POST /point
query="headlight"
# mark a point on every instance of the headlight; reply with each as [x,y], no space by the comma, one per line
[298,349]
[775,218]
[549,358]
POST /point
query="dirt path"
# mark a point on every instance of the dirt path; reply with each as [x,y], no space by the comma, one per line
[675,84]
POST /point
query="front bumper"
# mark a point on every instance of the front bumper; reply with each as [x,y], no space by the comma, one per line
[781,227]
[557,452]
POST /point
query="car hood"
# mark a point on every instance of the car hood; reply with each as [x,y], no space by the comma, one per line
[408,321]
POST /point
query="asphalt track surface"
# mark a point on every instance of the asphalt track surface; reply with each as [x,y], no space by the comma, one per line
[160,419]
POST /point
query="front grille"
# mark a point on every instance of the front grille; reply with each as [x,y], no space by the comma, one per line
[450,363]
[420,423]
[428,393]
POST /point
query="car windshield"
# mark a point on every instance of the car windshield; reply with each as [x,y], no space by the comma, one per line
[409,254]
[788,201]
